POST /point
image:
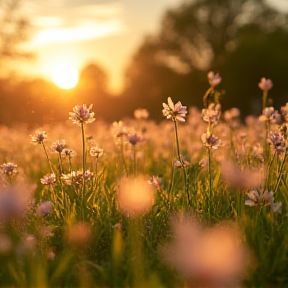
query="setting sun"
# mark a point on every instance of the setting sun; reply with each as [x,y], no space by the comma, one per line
[65,76]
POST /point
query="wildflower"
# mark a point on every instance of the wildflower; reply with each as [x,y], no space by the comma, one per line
[58,146]
[119,129]
[48,179]
[211,142]
[77,177]
[81,114]
[44,208]
[211,257]
[68,152]
[39,137]
[232,116]
[134,139]
[278,142]
[174,112]
[265,84]
[270,114]
[9,169]
[263,198]
[96,152]
[135,196]
[79,234]
[154,181]
[233,176]
[212,114]
[214,79]
[141,114]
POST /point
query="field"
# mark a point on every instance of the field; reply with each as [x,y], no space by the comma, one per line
[198,200]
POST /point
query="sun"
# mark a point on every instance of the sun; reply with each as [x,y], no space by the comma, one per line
[65,76]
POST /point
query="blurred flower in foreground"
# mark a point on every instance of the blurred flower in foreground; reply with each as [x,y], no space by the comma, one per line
[79,233]
[263,198]
[265,84]
[9,169]
[141,114]
[232,175]
[39,137]
[174,112]
[81,114]
[135,196]
[48,179]
[214,78]
[210,257]
[119,129]
[44,208]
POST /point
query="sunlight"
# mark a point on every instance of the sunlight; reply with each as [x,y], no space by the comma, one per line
[65,76]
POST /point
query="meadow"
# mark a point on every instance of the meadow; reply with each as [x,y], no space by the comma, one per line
[198,200]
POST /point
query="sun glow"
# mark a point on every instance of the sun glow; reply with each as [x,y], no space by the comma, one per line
[65,76]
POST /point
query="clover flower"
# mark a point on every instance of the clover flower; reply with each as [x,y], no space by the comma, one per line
[214,79]
[48,179]
[278,142]
[39,137]
[77,177]
[263,198]
[212,114]
[270,114]
[9,168]
[58,146]
[265,84]
[174,112]
[119,129]
[134,139]
[210,141]
[96,152]
[68,152]
[81,114]
[141,114]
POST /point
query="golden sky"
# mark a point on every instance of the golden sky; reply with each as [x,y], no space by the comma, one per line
[78,32]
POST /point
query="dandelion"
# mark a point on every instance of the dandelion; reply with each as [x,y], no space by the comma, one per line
[174,112]
[48,179]
[39,137]
[135,196]
[81,114]
[214,79]
[58,146]
[9,169]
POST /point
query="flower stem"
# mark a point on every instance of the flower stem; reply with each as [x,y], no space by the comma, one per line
[134,161]
[266,184]
[47,156]
[264,99]
[280,173]
[122,155]
[182,163]
[84,169]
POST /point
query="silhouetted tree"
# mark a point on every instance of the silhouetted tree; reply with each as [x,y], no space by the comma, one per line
[203,35]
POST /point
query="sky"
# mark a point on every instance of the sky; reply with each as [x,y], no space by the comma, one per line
[79,32]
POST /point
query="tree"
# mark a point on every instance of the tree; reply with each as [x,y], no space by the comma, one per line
[199,36]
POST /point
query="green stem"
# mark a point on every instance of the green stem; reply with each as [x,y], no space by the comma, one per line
[280,173]
[266,184]
[182,163]
[122,155]
[49,161]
